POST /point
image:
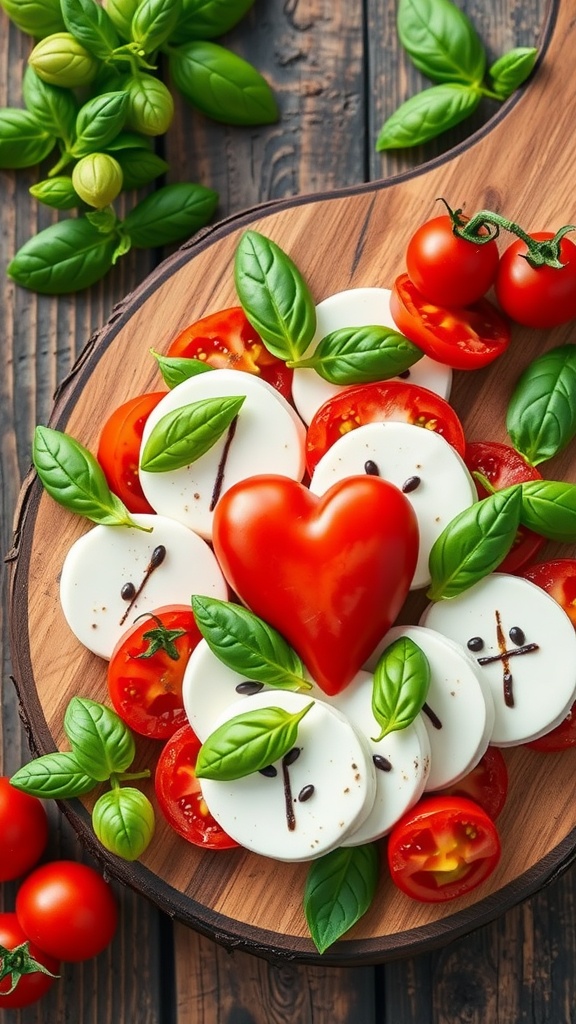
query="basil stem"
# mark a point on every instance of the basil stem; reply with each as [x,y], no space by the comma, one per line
[541,416]
[123,820]
[56,776]
[441,41]
[100,740]
[248,742]
[361,355]
[247,644]
[185,434]
[176,369]
[340,887]
[549,508]
[427,114]
[400,686]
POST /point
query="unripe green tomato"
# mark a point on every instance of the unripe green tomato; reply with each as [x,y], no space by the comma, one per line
[151,107]
[97,178]
[121,13]
[38,18]
[61,60]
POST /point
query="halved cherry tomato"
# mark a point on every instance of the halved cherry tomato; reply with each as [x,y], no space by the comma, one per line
[443,848]
[486,784]
[180,797]
[449,270]
[372,403]
[503,466]
[558,578]
[561,738]
[227,340]
[465,338]
[119,449]
[146,669]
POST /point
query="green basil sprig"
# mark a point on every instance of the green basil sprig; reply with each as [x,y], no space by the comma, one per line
[541,415]
[340,887]
[72,476]
[221,84]
[400,685]
[247,644]
[248,742]
[549,508]
[123,821]
[185,434]
[176,369]
[360,355]
[274,296]
[474,543]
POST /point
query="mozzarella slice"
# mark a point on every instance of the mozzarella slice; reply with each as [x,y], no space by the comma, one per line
[269,438]
[358,307]
[496,619]
[459,719]
[110,560]
[330,786]
[420,462]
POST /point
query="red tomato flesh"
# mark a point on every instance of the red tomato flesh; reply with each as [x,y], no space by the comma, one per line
[119,449]
[558,578]
[486,784]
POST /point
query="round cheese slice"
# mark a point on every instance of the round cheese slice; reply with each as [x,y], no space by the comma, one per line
[268,438]
[420,462]
[111,560]
[329,787]
[525,647]
[358,307]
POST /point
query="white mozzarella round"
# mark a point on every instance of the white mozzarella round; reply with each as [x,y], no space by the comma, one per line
[505,614]
[358,307]
[269,438]
[405,454]
[333,759]
[107,558]
[402,761]
[459,712]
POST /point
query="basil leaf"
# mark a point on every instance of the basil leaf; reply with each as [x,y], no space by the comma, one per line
[123,820]
[154,21]
[222,85]
[340,887]
[187,433]
[23,141]
[274,296]
[441,41]
[39,18]
[205,19]
[139,167]
[54,108]
[98,121]
[121,13]
[129,140]
[360,355]
[170,214]
[65,257]
[101,741]
[541,416]
[511,70]
[247,644]
[474,543]
[549,508]
[247,743]
[58,193]
[426,115]
[53,776]
[89,23]
[176,369]
[71,475]
[400,686]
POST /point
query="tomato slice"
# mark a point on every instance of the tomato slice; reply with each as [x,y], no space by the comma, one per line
[561,738]
[503,466]
[465,337]
[119,449]
[443,848]
[227,340]
[486,784]
[372,403]
[146,669]
[558,578]
[180,797]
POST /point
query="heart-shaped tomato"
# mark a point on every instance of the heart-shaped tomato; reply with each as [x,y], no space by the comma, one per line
[330,573]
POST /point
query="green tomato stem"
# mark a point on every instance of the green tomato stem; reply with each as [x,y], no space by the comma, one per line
[541,253]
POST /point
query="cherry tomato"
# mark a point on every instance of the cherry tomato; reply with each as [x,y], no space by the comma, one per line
[537,296]
[561,738]
[558,578]
[227,340]
[443,848]
[119,449]
[180,797]
[448,270]
[146,668]
[486,784]
[23,831]
[465,338]
[30,986]
[67,909]
[503,466]
[370,403]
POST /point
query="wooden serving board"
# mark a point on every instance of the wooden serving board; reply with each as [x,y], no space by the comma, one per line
[521,164]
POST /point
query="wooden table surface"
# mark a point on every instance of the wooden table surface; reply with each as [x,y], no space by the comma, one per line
[338,71]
